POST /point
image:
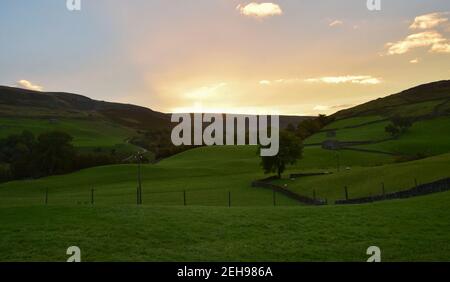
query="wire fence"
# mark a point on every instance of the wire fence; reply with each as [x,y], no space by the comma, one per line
[141,196]
[273,195]
[418,190]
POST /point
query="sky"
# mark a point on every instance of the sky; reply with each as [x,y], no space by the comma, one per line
[292,57]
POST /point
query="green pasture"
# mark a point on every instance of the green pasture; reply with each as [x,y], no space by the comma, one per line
[416,229]
[86,133]
[367,181]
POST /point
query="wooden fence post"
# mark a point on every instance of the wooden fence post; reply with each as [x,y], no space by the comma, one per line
[229,199]
[346,192]
[184,197]
[137,195]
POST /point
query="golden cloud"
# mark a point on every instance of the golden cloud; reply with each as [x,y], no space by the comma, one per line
[321,108]
[204,91]
[260,10]
[355,79]
[28,85]
[429,20]
[336,23]
[432,39]
[279,81]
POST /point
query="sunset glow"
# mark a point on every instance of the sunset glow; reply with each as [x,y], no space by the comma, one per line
[289,57]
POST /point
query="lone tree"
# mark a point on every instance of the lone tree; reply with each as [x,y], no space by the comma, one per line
[290,151]
[402,123]
[392,130]
[398,126]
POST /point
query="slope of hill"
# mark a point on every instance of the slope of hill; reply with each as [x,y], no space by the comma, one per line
[17,102]
[431,94]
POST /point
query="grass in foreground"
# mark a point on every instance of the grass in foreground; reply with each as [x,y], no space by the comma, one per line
[416,229]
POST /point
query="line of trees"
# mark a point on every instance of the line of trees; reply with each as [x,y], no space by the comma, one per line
[308,127]
[26,156]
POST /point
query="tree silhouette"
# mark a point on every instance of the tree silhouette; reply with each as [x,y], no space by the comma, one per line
[290,151]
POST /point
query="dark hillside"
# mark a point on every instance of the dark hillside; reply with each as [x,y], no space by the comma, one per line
[21,102]
[434,91]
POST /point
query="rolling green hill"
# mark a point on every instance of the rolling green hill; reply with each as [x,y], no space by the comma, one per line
[16,102]
[420,97]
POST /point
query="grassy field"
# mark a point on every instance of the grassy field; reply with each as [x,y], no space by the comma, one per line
[87,134]
[369,132]
[417,109]
[366,181]
[406,230]
[429,137]
[354,121]
[206,174]
[316,158]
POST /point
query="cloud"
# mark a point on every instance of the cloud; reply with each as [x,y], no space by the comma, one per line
[414,61]
[260,10]
[321,108]
[336,23]
[343,106]
[279,81]
[28,85]
[355,79]
[441,47]
[204,91]
[429,21]
[432,39]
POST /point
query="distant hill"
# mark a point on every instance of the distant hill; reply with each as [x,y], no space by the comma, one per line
[17,102]
[439,92]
